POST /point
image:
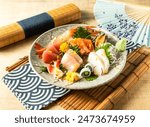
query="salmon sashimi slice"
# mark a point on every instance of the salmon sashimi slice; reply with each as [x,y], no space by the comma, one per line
[70,62]
[85,45]
[89,44]
[48,57]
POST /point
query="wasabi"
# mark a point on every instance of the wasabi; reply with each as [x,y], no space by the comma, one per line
[121,45]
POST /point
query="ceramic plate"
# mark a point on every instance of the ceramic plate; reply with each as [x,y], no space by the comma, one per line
[46,37]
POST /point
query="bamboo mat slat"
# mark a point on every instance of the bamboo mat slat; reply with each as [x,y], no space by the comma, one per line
[106,96]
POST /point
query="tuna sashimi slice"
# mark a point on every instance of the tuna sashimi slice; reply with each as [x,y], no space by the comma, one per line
[52,48]
[40,52]
[39,49]
[37,46]
[48,56]
[57,44]
[50,68]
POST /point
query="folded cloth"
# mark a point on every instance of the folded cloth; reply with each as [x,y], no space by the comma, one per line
[30,89]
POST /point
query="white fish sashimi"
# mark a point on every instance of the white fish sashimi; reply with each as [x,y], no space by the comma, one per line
[75,55]
[65,36]
[70,60]
[97,63]
[102,55]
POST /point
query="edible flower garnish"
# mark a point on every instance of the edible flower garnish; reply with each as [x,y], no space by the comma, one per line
[72,76]
[64,47]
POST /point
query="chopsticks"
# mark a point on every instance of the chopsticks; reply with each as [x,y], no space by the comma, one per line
[19,63]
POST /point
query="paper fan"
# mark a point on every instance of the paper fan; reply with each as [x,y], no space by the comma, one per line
[123,20]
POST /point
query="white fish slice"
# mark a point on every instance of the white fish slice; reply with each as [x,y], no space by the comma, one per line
[102,55]
[97,63]
[71,60]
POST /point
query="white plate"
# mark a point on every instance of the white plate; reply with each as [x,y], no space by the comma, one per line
[46,37]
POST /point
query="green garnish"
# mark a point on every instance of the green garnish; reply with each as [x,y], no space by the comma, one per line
[61,67]
[80,68]
[105,46]
[76,49]
[86,73]
[43,69]
[82,33]
[121,45]
[102,33]
[91,78]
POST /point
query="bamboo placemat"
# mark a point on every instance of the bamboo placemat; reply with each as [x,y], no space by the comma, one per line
[106,96]
[37,24]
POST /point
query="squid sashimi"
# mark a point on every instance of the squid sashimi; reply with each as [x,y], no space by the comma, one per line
[71,60]
[102,55]
[100,62]
[97,63]
[48,56]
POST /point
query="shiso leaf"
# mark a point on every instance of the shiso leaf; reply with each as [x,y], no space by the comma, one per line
[76,49]
[82,33]
[43,69]
[91,78]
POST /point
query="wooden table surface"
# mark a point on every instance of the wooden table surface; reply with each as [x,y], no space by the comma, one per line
[11,11]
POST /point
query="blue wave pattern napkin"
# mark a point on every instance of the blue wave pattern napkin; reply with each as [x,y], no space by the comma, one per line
[31,90]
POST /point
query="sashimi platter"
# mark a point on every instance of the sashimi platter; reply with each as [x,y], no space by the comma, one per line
[78,56]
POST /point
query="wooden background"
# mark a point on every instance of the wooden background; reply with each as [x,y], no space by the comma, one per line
[15,10]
